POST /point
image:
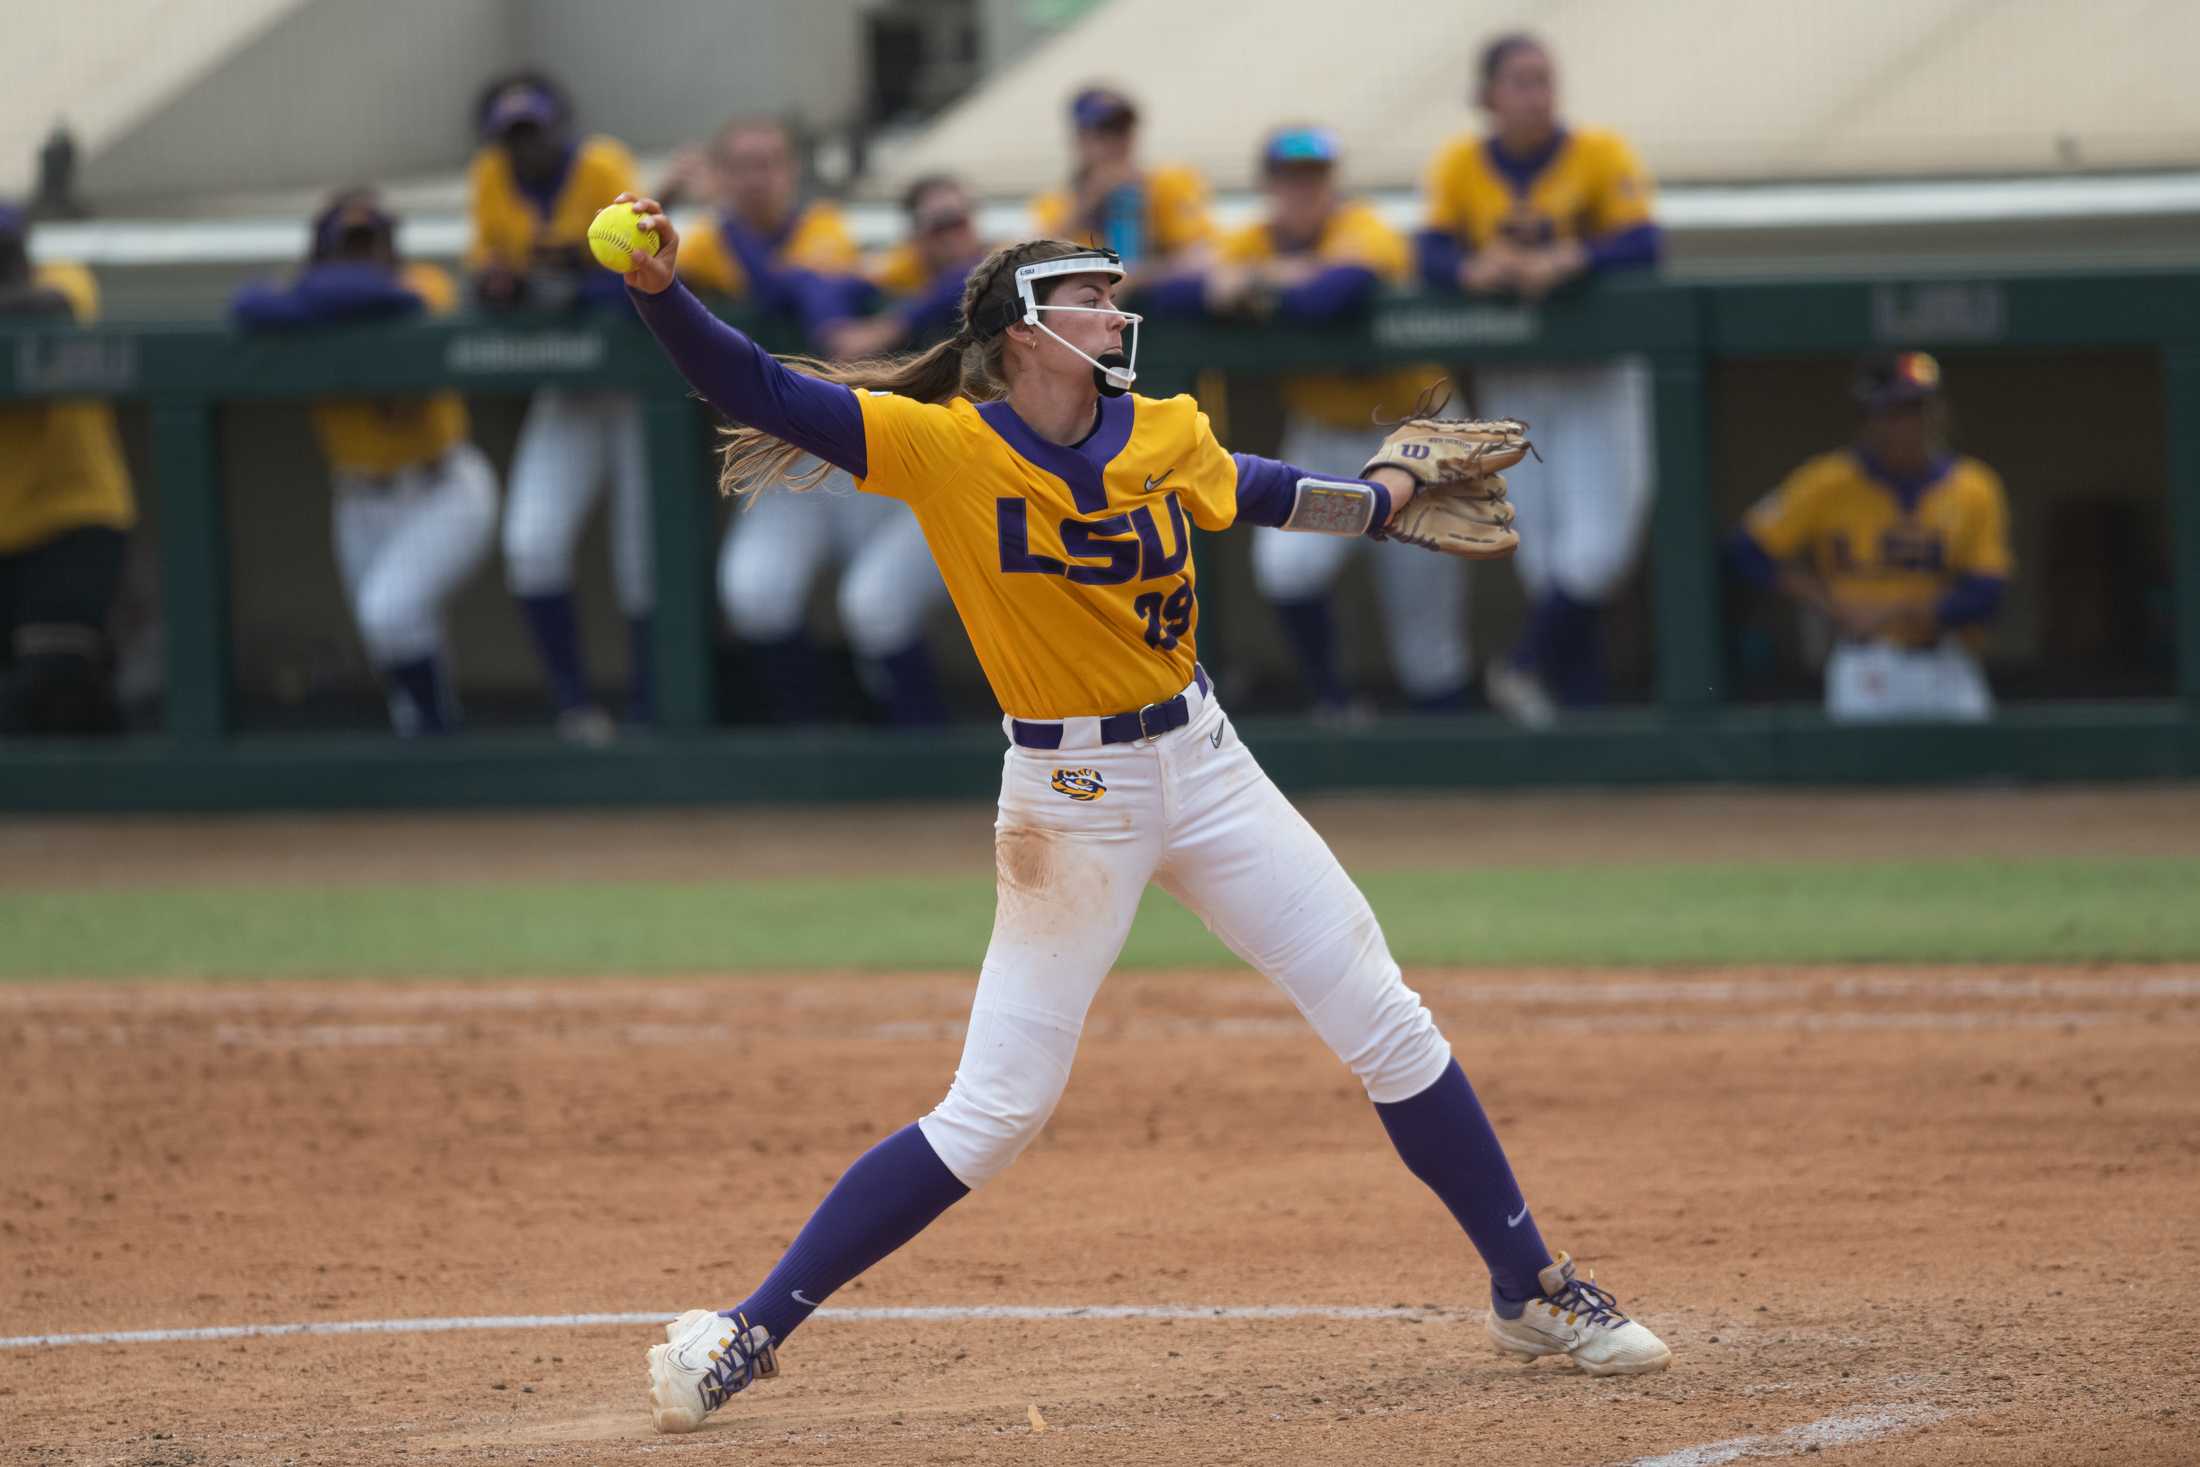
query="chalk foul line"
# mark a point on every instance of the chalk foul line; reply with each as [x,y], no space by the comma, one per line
[1827,1433]
[935,1313]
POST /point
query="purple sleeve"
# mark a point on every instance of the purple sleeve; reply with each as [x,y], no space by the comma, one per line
[1438,256]
[1750,561]
[1629,248]
[936,311]
[1974,599]
[1267,488]
[1333,292]
[326,294]
[748,385]
[1178,295]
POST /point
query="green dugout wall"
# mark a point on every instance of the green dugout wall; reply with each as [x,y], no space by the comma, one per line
[1690,732]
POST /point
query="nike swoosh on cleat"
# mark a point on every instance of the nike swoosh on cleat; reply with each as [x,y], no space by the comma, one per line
[806,1303]
[1511,1222]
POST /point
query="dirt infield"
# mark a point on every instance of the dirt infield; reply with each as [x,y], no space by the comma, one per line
[1886,1216]
[1481,828]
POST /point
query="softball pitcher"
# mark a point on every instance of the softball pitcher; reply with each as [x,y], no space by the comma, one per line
[1523,211]
[416,502]
[1317,257]
[768,247]
[1059,507]
[1902,546]
[535,188]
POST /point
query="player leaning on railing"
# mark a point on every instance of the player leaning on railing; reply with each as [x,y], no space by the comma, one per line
[1057,505]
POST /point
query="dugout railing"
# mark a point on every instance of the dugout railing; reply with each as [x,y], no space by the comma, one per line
[184,374]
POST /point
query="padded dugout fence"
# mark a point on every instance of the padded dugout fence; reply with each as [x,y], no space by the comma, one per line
[1689,732]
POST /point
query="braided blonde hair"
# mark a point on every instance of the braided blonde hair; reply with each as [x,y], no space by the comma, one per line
[967,364]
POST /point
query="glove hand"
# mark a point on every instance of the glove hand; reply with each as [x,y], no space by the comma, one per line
[1460,507]
[1471,519]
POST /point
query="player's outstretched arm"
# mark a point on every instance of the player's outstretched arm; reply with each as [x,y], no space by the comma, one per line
[731,372]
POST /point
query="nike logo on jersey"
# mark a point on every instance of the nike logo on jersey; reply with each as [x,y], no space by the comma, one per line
[1517,1218]
[806,1303]
[1157,481]
[1220,730]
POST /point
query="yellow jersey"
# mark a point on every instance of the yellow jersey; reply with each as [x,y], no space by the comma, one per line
[816,239]
[1875,543]
[61,465]
[1175,215]
[1354,234]
[380,435]
[899,271]
[1071,567]
[1588,185]
[510,225]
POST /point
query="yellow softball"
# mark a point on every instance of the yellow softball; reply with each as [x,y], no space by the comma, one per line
[616,233]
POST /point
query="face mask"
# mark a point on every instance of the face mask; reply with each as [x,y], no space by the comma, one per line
[1113,371]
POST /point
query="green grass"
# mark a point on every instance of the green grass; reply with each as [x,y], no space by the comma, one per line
[2008,911]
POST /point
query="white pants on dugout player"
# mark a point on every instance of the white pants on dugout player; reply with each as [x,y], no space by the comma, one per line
[1878,683]
[779,542]
[1192,810]
[1423,596]
[405,543]
[571,444]
[1582,514]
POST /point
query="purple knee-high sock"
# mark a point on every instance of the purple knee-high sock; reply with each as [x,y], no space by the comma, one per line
[890,1195]
[1312,632]
[556,625]
[641,670]
[425,687]
[1444,1139]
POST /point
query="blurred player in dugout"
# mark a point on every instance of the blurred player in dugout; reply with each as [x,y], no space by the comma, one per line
[415,501]
[536,184]
[767,247]
[1318,257]
[1155,218]
[65,514]
[1522,212]
[1900,545]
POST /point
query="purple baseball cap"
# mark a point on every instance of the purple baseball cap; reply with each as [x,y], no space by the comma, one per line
[519,104]
[1101,107]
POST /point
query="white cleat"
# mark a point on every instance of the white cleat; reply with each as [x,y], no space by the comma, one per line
[706,1358]
[1577,1320]
[1520,696]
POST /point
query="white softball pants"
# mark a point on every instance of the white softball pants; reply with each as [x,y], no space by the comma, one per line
[1583,511]
[1423,596]
[1877,683]
[780,542]
[570,443]
[405,545]
[1194,811]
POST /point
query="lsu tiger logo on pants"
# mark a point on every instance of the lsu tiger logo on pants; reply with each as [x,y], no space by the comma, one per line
[1079,784]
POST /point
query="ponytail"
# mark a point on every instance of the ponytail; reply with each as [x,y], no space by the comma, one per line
[968,364]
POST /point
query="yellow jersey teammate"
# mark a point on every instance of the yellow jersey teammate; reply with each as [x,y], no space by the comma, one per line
[1317,257]
[66,512]
[415,501]
[1902,546]
[1155,219]
[1058,506]
[1521,212]
[536,185]
[765,245]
